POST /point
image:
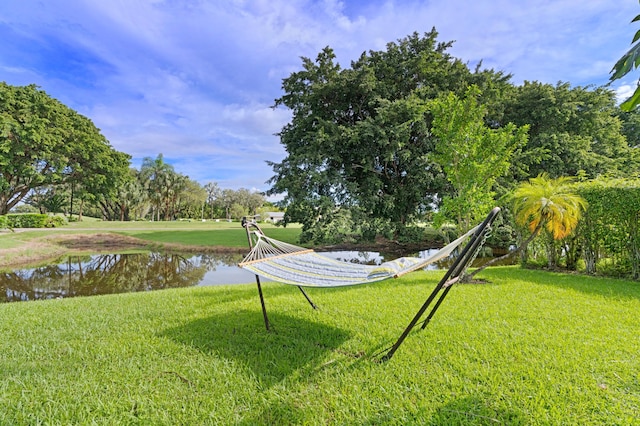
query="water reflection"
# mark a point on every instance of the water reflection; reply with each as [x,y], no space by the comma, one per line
[377,258]
[361,257]
[123,273]
[120,273]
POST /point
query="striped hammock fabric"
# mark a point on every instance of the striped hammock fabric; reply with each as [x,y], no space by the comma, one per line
[290,264]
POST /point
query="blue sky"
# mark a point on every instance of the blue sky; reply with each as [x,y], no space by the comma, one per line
[195,79]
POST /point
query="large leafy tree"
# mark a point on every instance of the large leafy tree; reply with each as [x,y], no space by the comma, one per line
[44,143]
[191,200]
[227,199]
[129,201]
[360,137]
[630,127]
[249,200]
[95,170]
[213,193]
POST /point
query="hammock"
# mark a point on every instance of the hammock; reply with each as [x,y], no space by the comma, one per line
[298,266]
[290,264]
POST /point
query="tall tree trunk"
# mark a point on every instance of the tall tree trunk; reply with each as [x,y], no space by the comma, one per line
[572,253]
[80,210]
[71,202]
[552,258]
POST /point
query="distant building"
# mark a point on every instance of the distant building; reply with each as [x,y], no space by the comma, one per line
[274,216]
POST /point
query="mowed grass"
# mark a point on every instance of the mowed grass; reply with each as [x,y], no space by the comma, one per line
[531,347]
[235,237]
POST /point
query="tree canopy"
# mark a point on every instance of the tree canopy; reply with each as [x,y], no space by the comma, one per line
[388,140]
[360,137]
[43,142]
[572,131]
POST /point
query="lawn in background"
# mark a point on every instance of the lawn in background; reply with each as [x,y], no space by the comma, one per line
[40,242]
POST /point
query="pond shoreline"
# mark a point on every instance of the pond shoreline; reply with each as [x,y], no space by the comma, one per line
[52,247]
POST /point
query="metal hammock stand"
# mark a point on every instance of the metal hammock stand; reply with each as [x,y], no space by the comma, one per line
[290,264]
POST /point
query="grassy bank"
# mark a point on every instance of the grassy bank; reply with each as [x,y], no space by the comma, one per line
[532,347]
[33,246]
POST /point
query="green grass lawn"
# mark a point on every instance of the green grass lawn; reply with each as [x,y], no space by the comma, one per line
[531,348]
[229,237]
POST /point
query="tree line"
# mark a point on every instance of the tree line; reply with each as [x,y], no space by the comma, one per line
[45,144]
[53,159]
[412,134]
[404,135]
[154,192]
[158,192]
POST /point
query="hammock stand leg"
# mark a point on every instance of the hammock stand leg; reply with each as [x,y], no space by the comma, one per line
[313,305]
[435,307]
[415,320]
[451,277]
[246,224]
[264,308]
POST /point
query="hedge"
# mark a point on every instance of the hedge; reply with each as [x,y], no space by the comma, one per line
[609,228]
[30,220]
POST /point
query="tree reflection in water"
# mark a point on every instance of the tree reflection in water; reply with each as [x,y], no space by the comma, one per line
[112,273]
[122,273]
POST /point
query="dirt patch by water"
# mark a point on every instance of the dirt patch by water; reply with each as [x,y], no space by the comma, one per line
[97,242]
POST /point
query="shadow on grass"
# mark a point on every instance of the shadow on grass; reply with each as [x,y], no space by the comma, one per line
[600,286]
[293,343]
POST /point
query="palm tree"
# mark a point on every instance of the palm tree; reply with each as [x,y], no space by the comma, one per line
[544,203]
[154,174]
[549,203]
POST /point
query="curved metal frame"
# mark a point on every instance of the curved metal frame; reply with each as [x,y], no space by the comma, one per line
[453,275]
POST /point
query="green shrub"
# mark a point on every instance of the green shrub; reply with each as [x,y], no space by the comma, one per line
[619,268]
[448,232]
[33,220]
[501,237]
[610,226]
[24,208]
[55,221]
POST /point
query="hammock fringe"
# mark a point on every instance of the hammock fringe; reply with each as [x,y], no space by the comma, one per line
[290,264]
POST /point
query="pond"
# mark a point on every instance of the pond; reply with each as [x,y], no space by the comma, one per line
[123,273]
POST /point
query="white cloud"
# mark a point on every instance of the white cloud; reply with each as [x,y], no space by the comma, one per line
[624,92]
[195,79]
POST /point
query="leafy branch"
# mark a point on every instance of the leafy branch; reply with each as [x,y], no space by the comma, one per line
[625,64]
